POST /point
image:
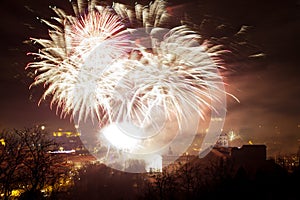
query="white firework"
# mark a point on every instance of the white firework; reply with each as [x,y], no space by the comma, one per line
[72,62]
[153,15]
[85,68]
[123,68]
[175,78]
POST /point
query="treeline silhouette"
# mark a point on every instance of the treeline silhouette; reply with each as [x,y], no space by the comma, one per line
[27,166]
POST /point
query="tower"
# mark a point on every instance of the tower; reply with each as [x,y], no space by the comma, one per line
[223,140]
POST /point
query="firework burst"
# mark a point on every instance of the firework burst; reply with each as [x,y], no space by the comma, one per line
[176,76]
[172,71]
[71,63]
[123,68]
[89,67]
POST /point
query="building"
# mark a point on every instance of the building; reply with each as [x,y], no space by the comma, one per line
[69,140]
[222,140]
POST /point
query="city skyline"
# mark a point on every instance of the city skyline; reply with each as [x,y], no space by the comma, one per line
[267,87]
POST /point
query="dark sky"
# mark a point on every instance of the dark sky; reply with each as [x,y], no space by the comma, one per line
[268,88]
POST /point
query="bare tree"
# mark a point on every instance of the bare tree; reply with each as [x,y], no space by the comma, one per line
[97,181]
[40,168]
[161,185]
[190,178]
[194,179]
[11,157]
[26,162]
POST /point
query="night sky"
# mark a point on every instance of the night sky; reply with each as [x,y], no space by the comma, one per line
[268,87]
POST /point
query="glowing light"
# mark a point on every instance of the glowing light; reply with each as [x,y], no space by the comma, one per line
[118,138]
[231,136]
[2,141]
[61,150]
[16,193]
